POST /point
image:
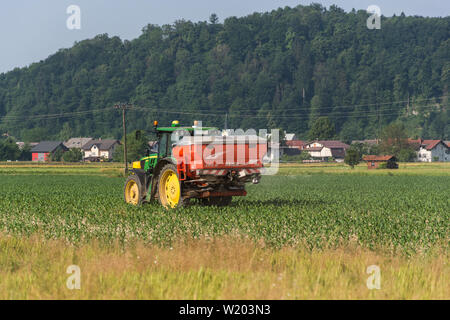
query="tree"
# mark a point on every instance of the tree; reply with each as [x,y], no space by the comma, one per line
[394,141]
[25,153]
[9,151]
[57,155]
[283,68]
[352,157]
[73,155]
[322,129]
[406,155]
[214,19]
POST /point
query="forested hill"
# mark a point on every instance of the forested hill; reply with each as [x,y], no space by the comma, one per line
[280,69]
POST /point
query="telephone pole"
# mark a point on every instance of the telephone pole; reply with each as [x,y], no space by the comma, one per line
[124,107]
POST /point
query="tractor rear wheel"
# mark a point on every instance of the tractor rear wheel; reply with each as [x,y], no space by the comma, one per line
[169,187]
[133,191]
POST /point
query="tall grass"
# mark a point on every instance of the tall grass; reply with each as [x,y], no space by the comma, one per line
[224,268]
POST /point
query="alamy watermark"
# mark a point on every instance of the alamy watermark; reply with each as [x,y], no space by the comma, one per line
[74,20]
[74,281]
[374,281]
[374,21]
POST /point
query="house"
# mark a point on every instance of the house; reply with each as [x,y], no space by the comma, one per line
[447,143]
[327,149]
[76,143]
[42,151]
[433,150]
[296,144]
[100,149]
[374,162]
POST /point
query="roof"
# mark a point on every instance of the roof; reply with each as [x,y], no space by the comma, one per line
[447,143]
[76,142]
[430,144]
[331,144]
[378,158]
[101,144]
[427,144]
[47,146]
[338,152]
[190,129]
[296,143]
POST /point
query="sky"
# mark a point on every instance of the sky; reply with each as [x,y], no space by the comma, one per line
[30,31]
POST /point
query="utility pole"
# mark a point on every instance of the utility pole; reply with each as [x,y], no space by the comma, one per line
[226,121]
[124,107]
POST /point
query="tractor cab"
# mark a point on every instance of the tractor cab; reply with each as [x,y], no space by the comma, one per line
[167,138]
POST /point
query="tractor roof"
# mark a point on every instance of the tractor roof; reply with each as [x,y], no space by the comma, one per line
[190,129]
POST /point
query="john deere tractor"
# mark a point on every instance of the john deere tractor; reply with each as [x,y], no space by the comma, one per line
[195,163]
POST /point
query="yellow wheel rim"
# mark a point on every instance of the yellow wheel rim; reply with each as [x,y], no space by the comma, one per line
[169,189]
[132,193]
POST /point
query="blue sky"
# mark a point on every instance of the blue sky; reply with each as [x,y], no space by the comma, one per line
[32,30]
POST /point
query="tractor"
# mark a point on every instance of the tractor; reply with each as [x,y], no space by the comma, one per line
[195,163]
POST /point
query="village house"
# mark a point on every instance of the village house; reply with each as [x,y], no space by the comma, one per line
[326,150]
[42,151]
[374,162]
[96,150]
[77,143]
[296,144]
[432,150]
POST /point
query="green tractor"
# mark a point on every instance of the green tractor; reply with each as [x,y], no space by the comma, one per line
[177,172]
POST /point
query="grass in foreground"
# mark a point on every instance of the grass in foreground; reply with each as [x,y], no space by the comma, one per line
[212,269]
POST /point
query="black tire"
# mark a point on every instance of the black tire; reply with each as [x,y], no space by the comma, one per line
[130,194]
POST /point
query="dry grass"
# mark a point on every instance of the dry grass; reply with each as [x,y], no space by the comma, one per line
[213,269]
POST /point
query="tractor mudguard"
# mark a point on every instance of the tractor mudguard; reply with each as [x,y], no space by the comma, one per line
[141,175]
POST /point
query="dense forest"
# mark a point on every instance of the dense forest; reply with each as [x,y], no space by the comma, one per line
[282,69]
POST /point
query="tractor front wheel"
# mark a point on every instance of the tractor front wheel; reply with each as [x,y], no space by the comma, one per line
[133,191]
[169,187]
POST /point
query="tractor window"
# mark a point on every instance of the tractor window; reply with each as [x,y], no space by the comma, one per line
[162,146]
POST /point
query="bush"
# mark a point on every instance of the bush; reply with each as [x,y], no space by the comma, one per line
[406,155]
[352,158]
[73,155]
[297,158]
[382,165]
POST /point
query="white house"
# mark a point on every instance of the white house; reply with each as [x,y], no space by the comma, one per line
[433,150]
[100,149]
[324,150]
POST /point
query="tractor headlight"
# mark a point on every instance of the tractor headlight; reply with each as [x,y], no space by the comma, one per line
[137,165]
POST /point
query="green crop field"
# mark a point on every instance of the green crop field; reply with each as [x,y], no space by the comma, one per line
[397,215]
[402,213]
